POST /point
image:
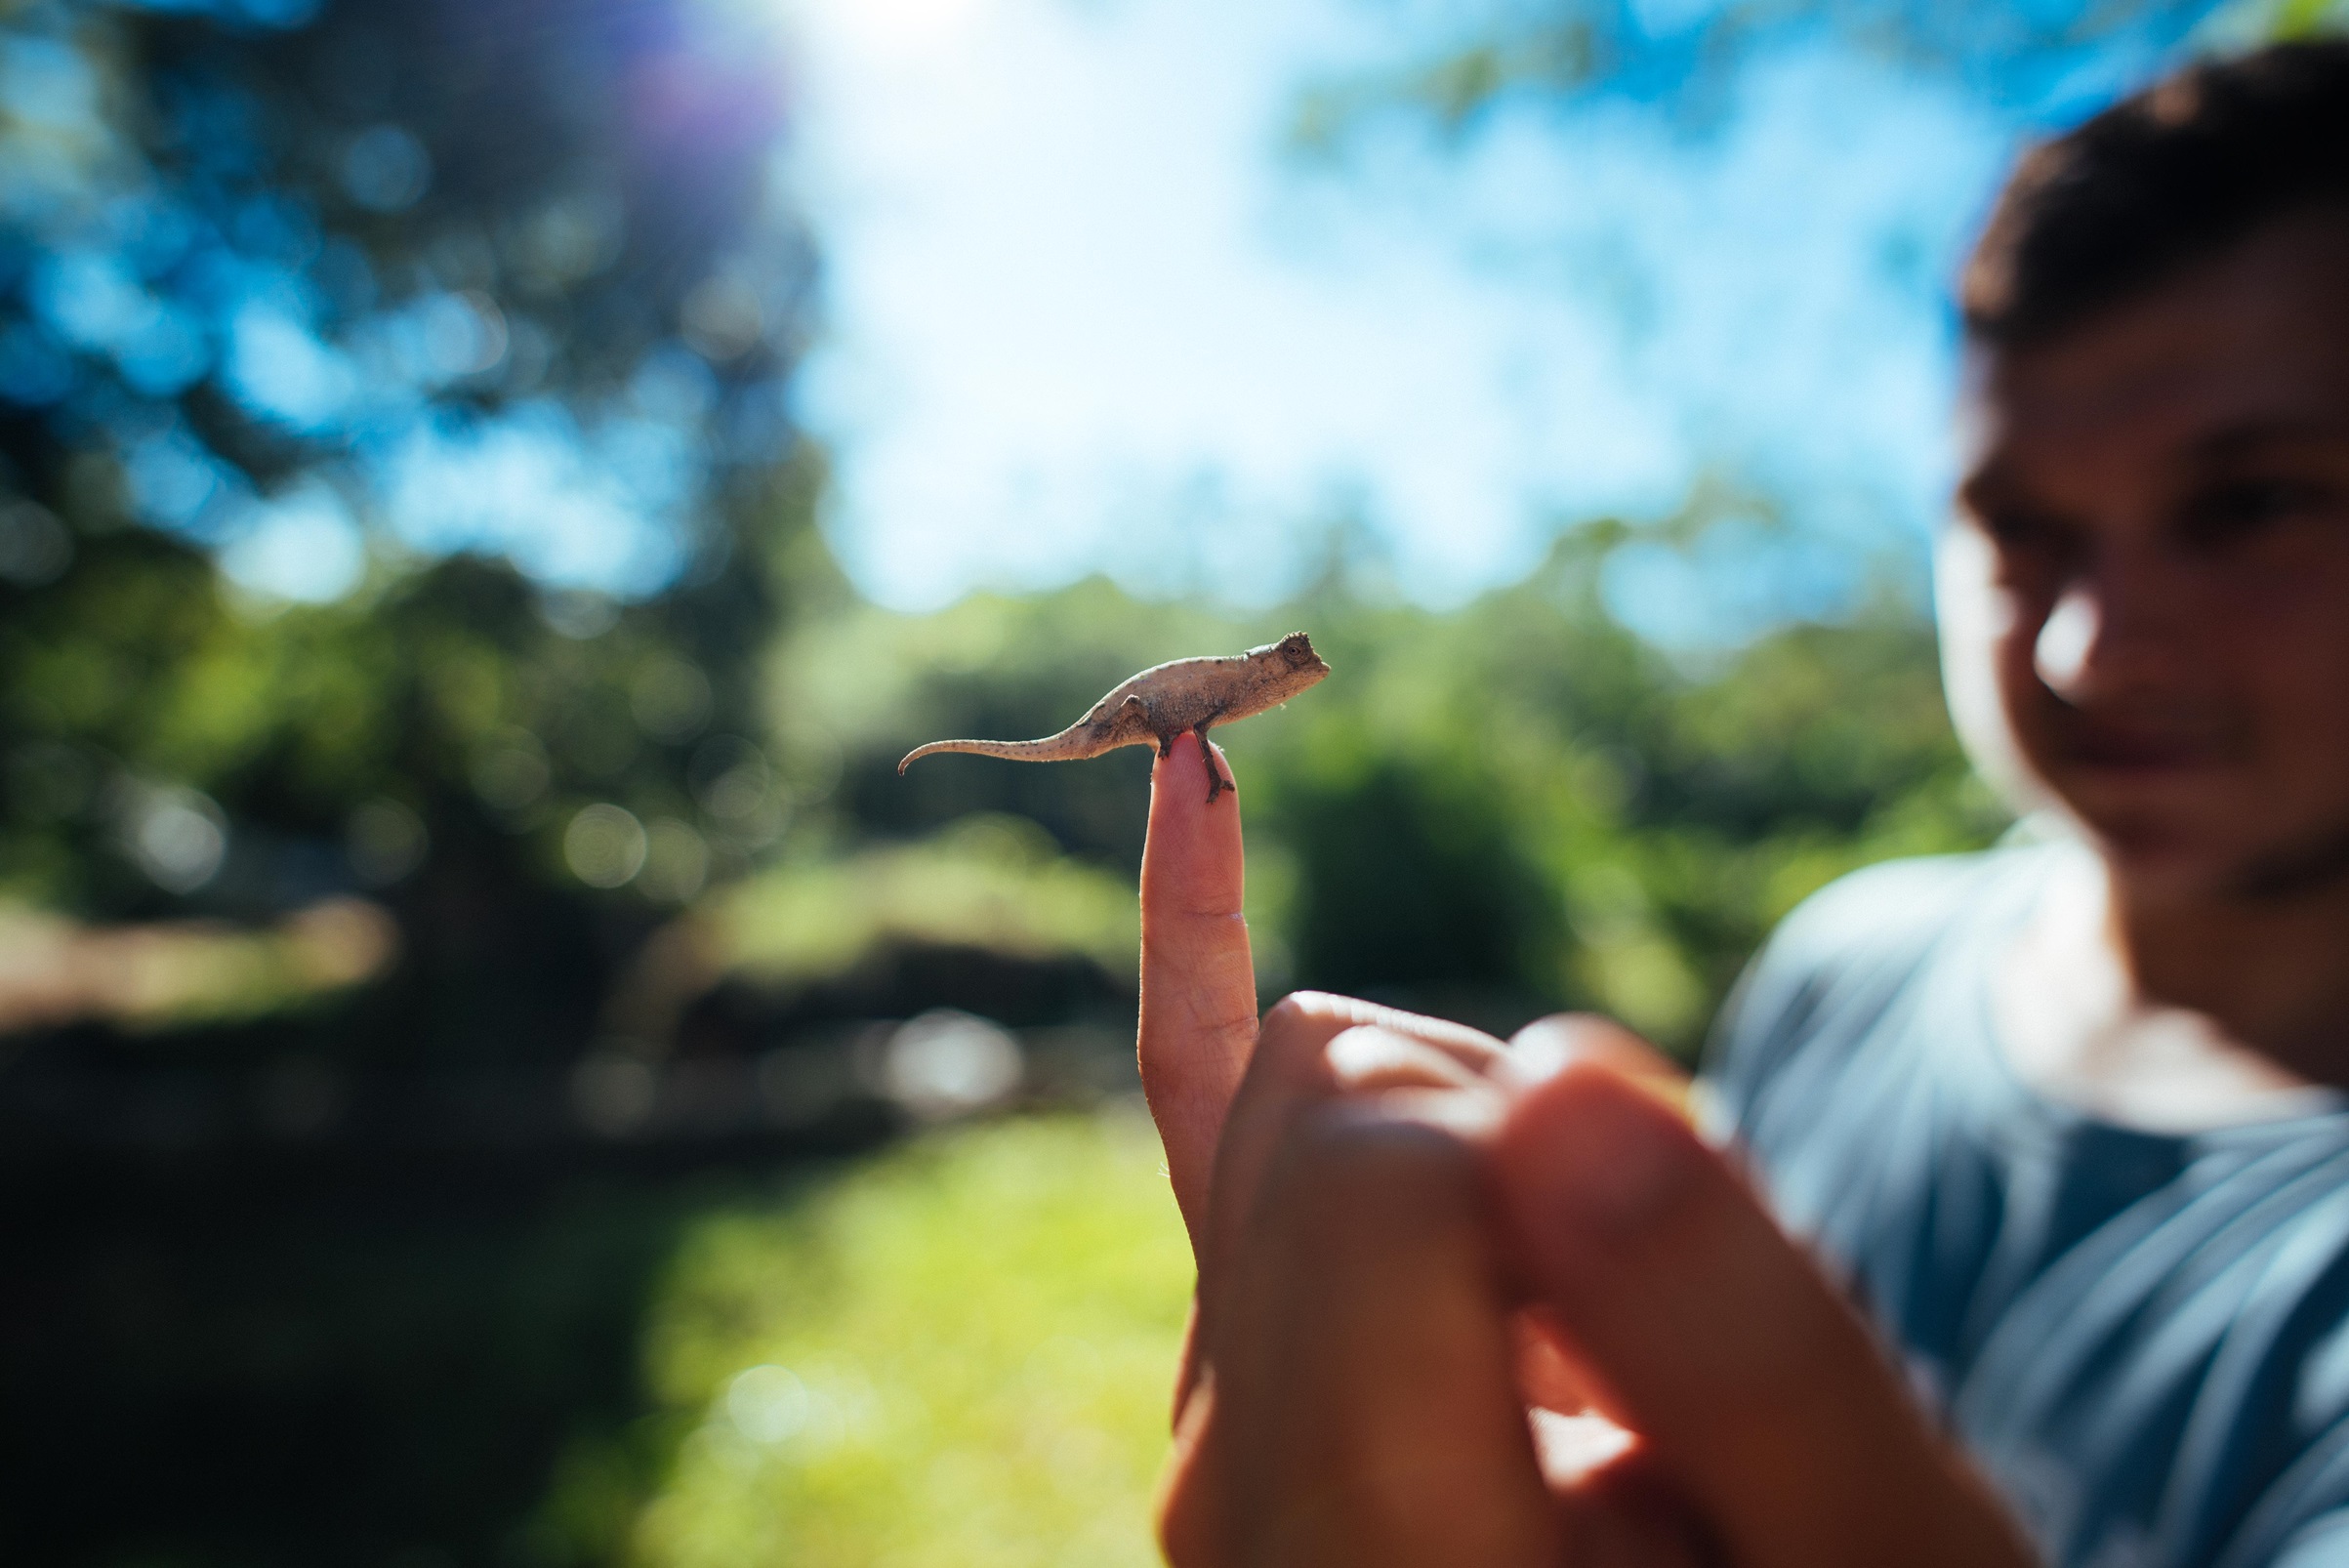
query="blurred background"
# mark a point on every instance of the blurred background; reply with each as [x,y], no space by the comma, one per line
[495,1067]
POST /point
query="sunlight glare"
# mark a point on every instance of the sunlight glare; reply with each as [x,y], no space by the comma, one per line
[892,26]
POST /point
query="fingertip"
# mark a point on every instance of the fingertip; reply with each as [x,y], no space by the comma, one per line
[1184,759]
[1192,855]
[1588,1150]
[1545,1047]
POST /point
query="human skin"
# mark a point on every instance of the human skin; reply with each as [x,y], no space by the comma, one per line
[1408,1233]
[2145,622]
[2145,602]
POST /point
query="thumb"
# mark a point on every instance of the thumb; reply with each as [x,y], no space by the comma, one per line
[1714,1336]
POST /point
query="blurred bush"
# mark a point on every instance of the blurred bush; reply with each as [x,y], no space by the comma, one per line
[392,469]
[1488,812]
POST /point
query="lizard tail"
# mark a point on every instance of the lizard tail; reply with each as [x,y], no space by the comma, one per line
[1053,748]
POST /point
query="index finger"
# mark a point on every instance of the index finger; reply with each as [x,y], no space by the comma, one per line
[1199,985]
[1716,1337]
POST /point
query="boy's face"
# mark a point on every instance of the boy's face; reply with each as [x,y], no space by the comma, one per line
[2145,595]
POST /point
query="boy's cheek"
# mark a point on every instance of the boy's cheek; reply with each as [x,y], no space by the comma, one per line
[1980,619]
[2301,743]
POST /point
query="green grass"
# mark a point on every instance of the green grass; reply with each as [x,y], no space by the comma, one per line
[956,1355]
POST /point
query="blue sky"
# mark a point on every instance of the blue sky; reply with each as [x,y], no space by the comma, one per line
[1087,307]
[1087,312]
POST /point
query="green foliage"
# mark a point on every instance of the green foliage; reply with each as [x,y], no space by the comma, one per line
[442,689]
[1554,54]
[956,1355]
[1489,812]
[2295,18]
[296,282]
[989,881]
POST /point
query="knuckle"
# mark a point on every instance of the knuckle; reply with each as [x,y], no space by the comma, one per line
[1289,1011]
[1303,1020]
[1359,1160]
[1311,1007]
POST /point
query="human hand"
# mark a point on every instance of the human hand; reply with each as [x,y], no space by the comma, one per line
[1199,1029]
[1199,1025]
[1408,1234]
[1199,986]
[1410,1204]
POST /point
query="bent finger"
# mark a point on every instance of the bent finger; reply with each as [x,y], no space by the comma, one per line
[1715,1335]
[1365,1409]
[1541,1050]
[1292,1071]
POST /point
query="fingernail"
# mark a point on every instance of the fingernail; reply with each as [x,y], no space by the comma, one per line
[1612,1159]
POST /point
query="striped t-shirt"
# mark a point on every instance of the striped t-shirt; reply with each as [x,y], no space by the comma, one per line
[2143,1338]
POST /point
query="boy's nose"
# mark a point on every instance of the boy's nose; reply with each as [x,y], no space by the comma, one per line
[2118,632]
[2067,641]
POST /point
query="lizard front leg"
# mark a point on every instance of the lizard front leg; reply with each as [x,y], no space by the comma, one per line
[1218,780]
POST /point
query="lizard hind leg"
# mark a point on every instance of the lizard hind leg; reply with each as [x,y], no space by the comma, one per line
[1132,722]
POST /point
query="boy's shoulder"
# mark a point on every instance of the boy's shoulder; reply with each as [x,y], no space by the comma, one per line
[1837,963]
[1882,921]
[1894,907]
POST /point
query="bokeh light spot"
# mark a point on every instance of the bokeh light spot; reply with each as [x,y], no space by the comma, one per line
[177,836]
[302,547]
[385,169]
[604,845]
[949,1063]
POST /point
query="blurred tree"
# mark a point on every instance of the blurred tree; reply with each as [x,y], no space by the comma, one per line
[395,499]
[393,490]
[1682,56]
[1488,812]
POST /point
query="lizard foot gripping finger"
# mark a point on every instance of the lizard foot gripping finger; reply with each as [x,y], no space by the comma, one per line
[1219,778]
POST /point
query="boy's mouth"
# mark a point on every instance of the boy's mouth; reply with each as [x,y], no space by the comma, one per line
[2133,746]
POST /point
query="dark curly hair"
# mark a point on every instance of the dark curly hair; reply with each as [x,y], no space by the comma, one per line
[2162,180]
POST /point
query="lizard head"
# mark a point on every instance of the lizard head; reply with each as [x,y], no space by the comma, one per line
[1293,663]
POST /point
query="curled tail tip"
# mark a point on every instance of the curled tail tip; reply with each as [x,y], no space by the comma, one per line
[934,749]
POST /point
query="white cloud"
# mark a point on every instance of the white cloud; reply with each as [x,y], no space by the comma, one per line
[1083,317]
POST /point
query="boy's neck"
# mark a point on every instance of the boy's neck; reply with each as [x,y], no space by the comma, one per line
[2075,1025]
[2267,970]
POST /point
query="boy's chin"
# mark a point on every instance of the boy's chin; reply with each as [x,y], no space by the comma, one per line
[2156,864]
[2161,872]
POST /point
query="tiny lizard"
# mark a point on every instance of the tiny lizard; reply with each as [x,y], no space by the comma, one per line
[1162,702]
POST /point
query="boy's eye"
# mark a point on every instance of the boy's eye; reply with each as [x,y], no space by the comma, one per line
[2017,531]
[2229,512]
